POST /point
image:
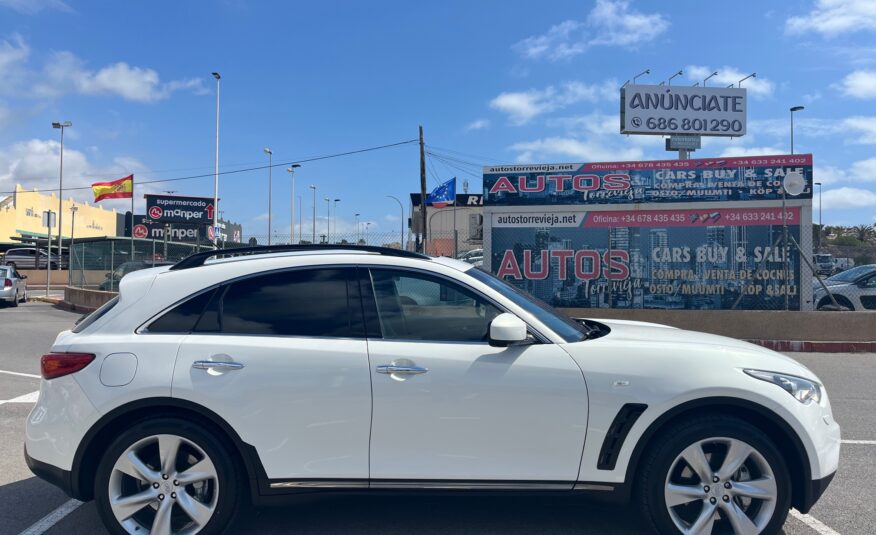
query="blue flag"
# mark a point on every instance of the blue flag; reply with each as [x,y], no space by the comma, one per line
[443,195]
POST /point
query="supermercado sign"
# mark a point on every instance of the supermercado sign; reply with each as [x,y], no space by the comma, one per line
[178,209]
[698,180]
[705,111]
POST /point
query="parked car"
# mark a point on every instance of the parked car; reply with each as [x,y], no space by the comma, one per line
[33,258]
[216,381]
[113,277]
[14,288]
[474,257]
[854,289]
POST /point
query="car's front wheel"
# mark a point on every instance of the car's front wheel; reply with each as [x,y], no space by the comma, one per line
[166,476]
[716,475]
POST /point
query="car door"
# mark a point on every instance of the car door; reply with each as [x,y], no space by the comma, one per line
[449,409]
[283,359]
[867,289]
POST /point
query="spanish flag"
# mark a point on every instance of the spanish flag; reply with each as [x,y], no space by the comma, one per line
[122,188]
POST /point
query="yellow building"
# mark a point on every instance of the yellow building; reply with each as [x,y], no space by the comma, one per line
[21,214]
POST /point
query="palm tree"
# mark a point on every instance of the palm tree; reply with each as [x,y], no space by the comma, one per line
[864,233]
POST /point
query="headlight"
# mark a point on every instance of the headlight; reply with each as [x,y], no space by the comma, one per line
[802,389]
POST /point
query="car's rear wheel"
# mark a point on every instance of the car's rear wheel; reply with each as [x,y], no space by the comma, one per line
[166,476]
[716,475]
[14,301]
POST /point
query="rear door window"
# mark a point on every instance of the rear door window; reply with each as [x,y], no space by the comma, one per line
[307,302]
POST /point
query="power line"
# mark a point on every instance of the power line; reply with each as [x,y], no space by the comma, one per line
[191,177]
[493,160]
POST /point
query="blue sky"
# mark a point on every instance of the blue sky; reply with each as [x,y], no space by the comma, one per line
[490,81]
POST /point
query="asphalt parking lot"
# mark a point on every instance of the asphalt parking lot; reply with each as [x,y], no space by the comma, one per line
[28,505]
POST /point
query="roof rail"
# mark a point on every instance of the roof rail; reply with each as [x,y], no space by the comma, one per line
[198,259]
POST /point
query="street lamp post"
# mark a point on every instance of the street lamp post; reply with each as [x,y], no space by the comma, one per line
[292,201]
[300,224]
[72,254]
[328,219]
[335,218]
[61,126]
[709,76]
[820,227]
[270,154]
[367,224]
[216,168]
[794,109]
[313,226]
[357,227]
[402,235]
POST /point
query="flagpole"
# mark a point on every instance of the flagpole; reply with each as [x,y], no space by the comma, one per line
[132,217]
[455,241]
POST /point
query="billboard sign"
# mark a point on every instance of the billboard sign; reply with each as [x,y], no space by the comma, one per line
[149,229]
[663,181]
[666,110]
[658,259]
[177,209]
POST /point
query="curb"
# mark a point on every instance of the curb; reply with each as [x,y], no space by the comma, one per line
[801,346]
[44,299]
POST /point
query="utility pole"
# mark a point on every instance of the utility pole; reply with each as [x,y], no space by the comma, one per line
[422,192]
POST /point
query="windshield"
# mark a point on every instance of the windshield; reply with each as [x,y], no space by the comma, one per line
[567,328]
[851,275]
[3,273]
[822,258]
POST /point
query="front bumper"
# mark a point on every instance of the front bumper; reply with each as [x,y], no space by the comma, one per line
[813,492]
[52,474]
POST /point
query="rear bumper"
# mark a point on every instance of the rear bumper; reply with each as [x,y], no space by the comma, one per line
[56,476]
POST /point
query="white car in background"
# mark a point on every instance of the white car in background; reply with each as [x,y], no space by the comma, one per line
[292,369]
[13,288]
[853,289]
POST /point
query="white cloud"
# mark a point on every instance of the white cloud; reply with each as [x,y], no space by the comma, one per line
[32,7]
[751,151]
[865,127]
[610,23]
[759,87]
[34,164]
[478,124]
[859,84]
[840,198]
[834,17]
[864,170]
[66,73]
[828,174]
[523,106]
[549,148]
[13,55]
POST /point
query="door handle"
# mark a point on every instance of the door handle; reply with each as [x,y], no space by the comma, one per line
[216,365]
[390,369]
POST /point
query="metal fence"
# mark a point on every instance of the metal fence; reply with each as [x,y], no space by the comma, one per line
[100,264]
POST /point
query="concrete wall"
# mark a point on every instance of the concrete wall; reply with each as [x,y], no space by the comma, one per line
[37,277]
[753,324]
[80,299]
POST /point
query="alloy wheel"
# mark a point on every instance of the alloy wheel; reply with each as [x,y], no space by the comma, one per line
[163,485]
[720,482]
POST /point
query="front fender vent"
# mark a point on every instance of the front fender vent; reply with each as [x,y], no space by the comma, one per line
[617,433]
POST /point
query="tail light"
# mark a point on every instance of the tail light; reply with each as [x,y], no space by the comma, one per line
[7,283]
[56,365]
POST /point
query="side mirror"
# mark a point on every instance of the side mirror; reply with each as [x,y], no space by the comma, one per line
[507,329]
[22,277]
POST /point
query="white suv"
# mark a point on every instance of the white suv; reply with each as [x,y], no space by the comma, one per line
[219,381]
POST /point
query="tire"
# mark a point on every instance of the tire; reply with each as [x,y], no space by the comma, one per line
[14,302]
[212,499]
[24,297]
[841,300]
[762,470]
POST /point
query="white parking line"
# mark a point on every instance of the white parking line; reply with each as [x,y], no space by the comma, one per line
[26,398]
[814,523]
[32,376]
[46,522]
[866,442]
